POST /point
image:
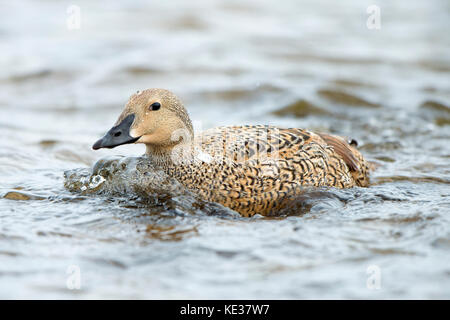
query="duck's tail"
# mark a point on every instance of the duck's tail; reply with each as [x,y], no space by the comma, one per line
[358,166]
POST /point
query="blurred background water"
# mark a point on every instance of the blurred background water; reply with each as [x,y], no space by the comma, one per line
[308,64]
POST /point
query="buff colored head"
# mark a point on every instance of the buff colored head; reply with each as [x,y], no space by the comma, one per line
[155,117]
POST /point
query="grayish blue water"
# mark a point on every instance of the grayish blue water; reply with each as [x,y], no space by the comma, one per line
[231,62]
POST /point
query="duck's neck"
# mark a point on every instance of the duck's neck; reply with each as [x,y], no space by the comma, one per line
[174,155]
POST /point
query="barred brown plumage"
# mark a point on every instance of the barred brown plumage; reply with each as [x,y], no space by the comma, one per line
[251,169]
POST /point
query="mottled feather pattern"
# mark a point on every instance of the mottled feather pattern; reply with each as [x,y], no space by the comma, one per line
[252,169]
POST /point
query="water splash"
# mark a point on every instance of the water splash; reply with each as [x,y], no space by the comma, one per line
[118,175]
[136,178]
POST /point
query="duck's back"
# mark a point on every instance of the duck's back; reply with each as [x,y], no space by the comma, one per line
[302,156]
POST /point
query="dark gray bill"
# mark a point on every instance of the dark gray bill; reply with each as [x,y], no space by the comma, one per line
[118,135]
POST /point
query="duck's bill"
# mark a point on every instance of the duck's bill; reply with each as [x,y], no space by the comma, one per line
[118,135]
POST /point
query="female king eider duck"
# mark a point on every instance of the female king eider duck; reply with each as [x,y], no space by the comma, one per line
[250,169]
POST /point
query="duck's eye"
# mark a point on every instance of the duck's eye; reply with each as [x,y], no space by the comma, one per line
[154,106]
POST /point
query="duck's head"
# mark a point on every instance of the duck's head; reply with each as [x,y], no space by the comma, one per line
[155,117]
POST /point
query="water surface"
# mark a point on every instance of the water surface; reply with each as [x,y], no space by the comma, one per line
[309,64]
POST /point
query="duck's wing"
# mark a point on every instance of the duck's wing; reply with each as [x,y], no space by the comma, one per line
[342,157]
[316,157]
[244,143]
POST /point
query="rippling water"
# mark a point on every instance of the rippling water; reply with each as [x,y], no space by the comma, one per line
[309,64]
